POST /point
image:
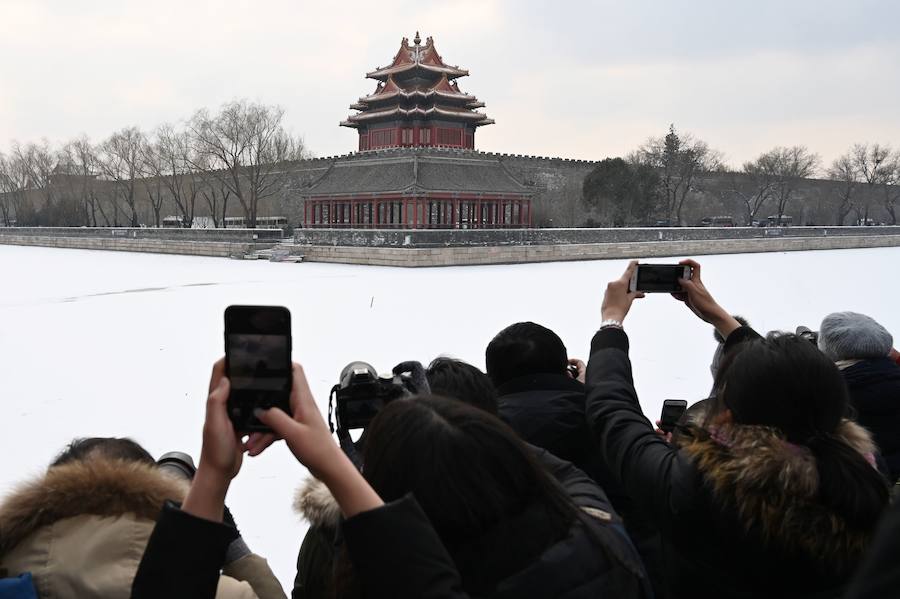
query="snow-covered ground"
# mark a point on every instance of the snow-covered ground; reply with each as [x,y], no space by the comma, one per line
[120,344]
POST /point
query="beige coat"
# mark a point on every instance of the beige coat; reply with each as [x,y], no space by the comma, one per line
[82,528]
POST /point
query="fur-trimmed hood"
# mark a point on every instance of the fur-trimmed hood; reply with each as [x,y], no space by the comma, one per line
[100,487]
[772,486]
[315,504]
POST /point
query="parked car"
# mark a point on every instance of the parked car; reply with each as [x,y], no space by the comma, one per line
[716,221]
[784,221]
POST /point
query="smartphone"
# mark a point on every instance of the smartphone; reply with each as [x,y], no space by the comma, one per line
[672,410]
[257,362]
[659,278]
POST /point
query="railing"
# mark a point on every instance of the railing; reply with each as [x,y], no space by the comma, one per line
[175,234]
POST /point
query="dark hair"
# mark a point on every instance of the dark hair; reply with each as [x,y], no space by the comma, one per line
[524,348]
[494,508]
[460,380]
[784,382]
[107,447]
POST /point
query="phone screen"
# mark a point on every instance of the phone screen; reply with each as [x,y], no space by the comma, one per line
[659,277]
[257,362]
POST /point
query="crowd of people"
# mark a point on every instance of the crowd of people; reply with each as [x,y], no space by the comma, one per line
[540,477]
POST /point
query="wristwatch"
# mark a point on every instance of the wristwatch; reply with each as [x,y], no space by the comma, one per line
[611,323]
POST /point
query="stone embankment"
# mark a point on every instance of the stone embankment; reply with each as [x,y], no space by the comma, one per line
[423,248]
[192,242]
[469,247]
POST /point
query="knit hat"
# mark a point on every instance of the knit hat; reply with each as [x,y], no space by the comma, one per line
[849,336]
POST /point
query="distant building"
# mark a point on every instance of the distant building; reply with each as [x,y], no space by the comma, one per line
[416,108]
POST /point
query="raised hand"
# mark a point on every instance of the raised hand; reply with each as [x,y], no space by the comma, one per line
[221,455]
[617,300]
[309,439]
[700,301]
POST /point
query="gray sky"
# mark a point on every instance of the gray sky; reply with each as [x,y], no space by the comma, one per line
[576,79]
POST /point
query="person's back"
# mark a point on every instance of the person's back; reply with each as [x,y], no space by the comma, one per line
[508,526]
[860,347]
[81,529]
[539,399]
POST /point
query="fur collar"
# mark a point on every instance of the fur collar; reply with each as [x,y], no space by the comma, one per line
[98,486]
[772,486]
[314,502]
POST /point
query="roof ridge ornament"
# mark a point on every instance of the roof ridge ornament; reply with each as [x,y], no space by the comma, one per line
[417,40]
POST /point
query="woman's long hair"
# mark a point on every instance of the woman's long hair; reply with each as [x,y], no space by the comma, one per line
[784,382]
[493,506]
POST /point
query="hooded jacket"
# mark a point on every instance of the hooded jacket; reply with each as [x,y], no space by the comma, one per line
[738,508]
[315,562]
[81,529]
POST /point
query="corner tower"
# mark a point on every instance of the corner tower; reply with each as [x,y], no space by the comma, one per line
[417,102]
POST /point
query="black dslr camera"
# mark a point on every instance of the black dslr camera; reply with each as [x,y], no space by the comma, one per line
[362,393]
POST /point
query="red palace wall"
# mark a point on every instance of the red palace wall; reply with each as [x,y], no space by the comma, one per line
[432,212]
[444,137]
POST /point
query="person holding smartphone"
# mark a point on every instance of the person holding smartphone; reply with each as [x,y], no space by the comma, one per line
[774,493]
[560,547]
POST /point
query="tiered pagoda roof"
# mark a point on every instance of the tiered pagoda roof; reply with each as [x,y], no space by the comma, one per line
[418,84]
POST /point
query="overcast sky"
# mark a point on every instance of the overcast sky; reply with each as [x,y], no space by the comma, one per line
[579,79]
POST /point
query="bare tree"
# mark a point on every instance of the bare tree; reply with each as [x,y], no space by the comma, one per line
[755,188]
[679,158]
[216,195]
[7,189]
[120,161]
[152,164]
[245,145]
[19,182]
[891,188]
[787,168]
[78,165]
[873,161]
[843,171]
[37,163]
[170,161]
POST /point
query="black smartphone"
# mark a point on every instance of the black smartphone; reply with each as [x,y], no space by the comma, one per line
[257,362]
[672,410]
[659,278]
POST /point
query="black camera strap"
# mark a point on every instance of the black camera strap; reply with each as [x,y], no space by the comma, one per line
[331,397]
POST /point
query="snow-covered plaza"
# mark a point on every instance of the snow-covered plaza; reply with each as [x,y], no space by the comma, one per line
[121,344]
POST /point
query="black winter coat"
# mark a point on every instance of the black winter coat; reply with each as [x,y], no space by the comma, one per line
[734,519]
[315,563]
[396,553]
[548,411]
[874,387]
